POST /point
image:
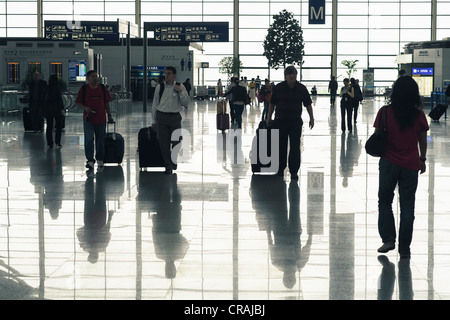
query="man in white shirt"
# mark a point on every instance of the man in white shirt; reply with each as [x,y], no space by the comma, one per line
[166,113]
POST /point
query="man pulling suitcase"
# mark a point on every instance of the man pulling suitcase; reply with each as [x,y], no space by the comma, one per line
[166,114]
[94,99]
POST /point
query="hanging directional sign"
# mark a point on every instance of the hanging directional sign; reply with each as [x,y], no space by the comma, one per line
[188,31]
[81,30]
[316,14]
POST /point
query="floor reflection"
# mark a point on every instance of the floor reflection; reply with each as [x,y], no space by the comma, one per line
[278,214]
[95,235]
[214,230]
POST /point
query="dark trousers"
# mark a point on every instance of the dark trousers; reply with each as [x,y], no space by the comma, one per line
[232,112]
[289,130]
[94,141]
[166,124]
[390,175]
[346,114]
[238,110]
[265,110]
[355,110]
[332,97]
[37,117]
[57,117]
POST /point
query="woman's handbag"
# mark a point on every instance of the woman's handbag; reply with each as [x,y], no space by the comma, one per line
[376,144]
[260,97]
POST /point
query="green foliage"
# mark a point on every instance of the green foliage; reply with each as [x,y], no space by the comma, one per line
[351,66]
[230,66]
[283,44]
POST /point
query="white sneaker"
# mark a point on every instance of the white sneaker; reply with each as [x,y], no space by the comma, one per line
[100,163]
[90,165]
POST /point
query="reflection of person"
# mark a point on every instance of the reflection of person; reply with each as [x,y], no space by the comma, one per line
[404,157]
[47,177]
[94,236]
[287,99]
[94,100]
[350,151]
[54,110]
[54,186]
[170,244]
[282,225]
[387,279]
[37,93]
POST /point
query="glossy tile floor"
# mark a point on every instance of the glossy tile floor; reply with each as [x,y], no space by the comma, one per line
[214,231]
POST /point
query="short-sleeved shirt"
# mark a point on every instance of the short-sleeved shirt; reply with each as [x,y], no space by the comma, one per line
[402,148]
[95,100]
[288,101]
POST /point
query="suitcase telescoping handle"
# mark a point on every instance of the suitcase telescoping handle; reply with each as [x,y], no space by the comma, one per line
[114,132]
[108,123]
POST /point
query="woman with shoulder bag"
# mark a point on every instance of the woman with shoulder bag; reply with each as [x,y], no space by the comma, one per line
[404,157]
[347,93]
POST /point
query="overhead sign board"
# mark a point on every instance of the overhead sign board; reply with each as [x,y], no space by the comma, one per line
[81,30]
[188,31]
[316,13]
[422,71]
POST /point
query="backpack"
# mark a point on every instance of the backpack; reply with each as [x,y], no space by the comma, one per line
[83,89]
[161,89]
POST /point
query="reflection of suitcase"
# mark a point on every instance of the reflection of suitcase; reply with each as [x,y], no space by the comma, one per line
[114,147]
[26,117]
[148,148]
[256,153]
[223,121]
[438,111]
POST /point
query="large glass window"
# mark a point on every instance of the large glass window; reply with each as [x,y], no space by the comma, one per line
[371,31]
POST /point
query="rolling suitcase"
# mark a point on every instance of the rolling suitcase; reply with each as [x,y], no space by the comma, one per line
[26,117]
[255,158]
[223,121]
[223,118]
[148,148]
[114,146]
[437,112]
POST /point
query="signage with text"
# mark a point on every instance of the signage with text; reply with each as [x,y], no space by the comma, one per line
[188,31]
[316,12]
[66,30]
[422,71]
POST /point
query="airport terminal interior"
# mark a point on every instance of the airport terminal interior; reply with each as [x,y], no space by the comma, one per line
[213,230]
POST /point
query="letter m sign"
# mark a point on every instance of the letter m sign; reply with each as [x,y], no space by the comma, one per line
[316,12]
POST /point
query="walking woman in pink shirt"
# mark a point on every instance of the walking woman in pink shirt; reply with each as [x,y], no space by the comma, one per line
[403,159]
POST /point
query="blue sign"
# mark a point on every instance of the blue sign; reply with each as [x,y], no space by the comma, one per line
[188,31]
[67,30]
[152,71]
[422,71]
[316,12]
